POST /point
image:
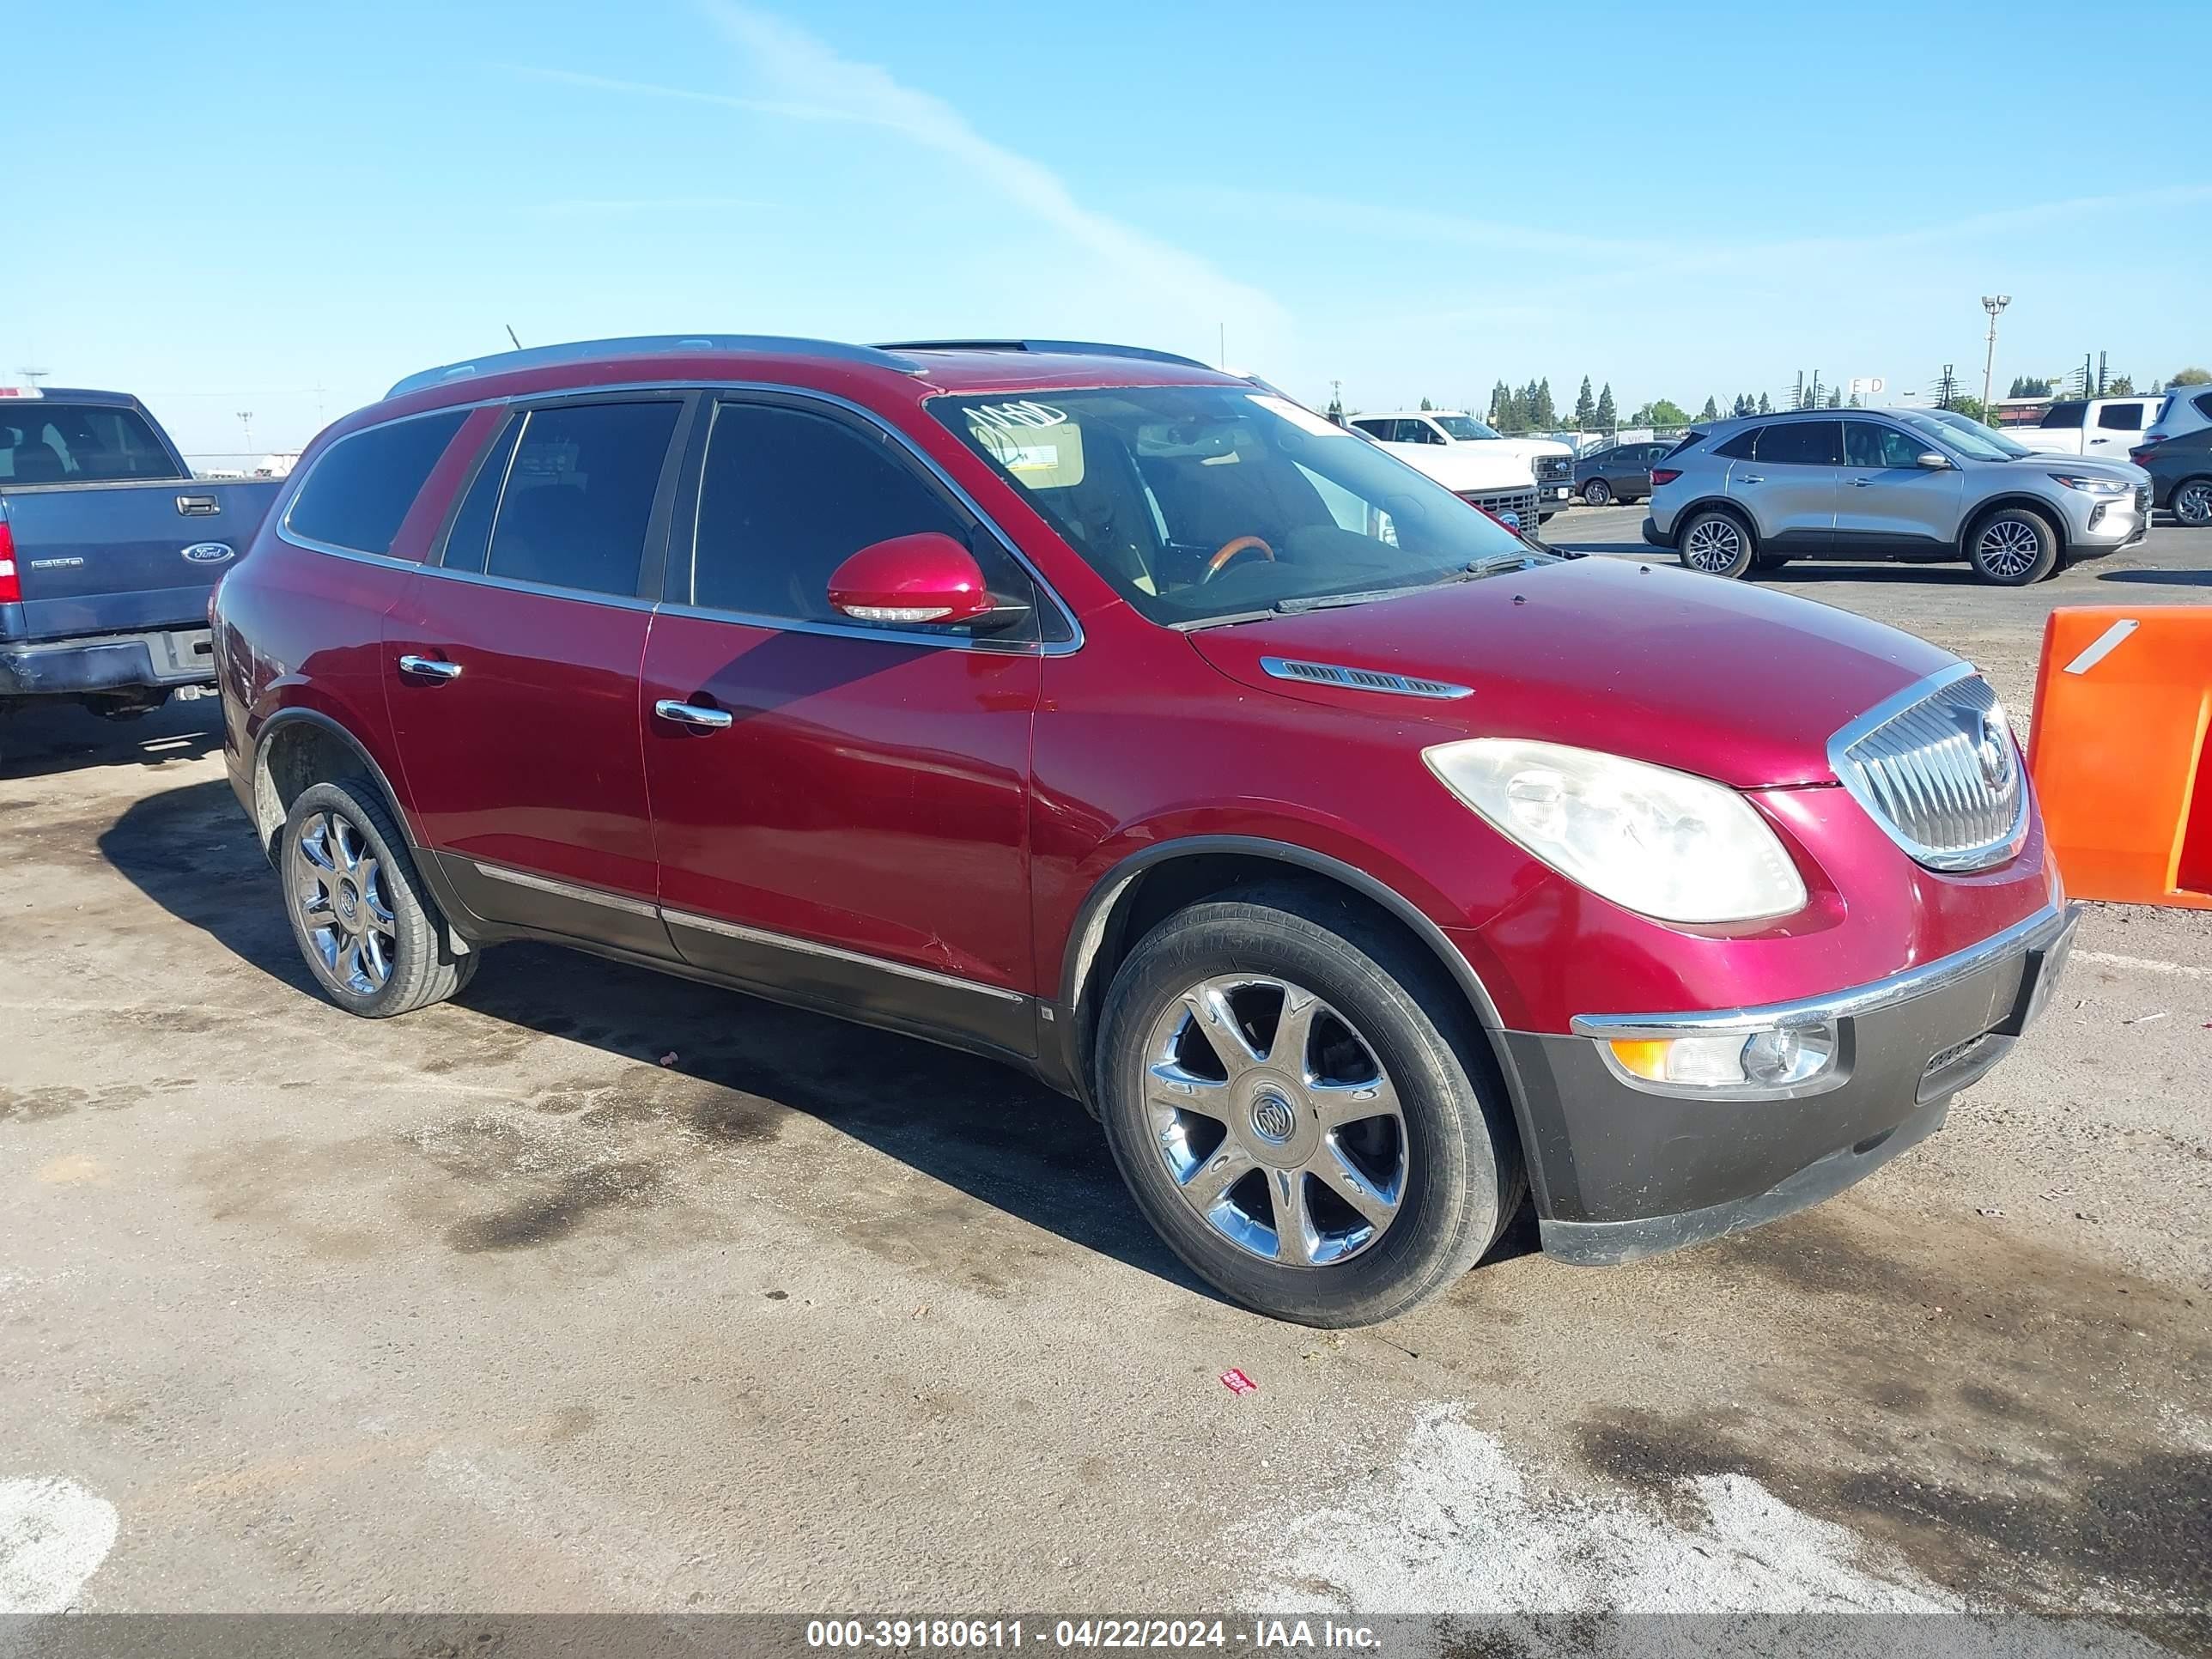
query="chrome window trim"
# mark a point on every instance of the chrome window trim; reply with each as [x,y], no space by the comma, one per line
[516,878]
[2018,938]
[1973,858]
[834,953]
[787,624]
[799,624]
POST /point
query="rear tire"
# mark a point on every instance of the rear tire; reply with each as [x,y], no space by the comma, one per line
[2013,547]
[2192,502]
[1379,1100]
[1715,543]
[371,934]
[1597,492]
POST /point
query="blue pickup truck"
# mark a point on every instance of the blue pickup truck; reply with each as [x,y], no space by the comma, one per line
[108,548]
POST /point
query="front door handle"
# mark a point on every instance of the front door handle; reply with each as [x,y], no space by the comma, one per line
[690,715]
[1752,477]
[1862,483]
[434,669]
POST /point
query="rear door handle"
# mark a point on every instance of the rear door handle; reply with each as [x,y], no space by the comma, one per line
[435,669]
[196,507]
[690,715]
[1862,483]
[1752,477]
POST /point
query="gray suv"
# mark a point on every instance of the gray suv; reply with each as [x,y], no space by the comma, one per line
[1754,493]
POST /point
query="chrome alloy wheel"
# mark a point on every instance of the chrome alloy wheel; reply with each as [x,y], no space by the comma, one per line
[2192,502]
[344,902]
[2009,547]
[1714,545]
[1275,1120]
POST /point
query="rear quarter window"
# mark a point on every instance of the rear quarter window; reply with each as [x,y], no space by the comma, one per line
[360,490]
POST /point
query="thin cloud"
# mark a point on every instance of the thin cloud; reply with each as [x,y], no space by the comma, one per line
[811,81]
[582,207]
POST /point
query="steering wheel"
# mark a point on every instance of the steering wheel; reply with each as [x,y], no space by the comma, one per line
[1227,553]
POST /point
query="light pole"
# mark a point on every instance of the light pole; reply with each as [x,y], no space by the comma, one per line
[1992,303]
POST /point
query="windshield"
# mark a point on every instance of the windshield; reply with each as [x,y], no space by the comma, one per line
[1973,441]
[1200,503]
[1463,428]
[1972,428]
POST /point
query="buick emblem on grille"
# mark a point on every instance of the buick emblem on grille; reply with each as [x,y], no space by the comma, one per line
[1993,754]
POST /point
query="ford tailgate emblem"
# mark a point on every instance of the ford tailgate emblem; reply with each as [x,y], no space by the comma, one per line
[208,552]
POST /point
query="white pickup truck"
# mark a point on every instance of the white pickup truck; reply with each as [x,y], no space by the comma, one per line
[2104,428]
[1529,478]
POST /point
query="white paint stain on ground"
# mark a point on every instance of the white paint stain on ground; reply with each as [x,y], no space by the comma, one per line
[53,1536]
[1457,1529]
[1460,1530]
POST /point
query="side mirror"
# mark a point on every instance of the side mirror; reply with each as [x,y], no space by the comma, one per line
[924,578]
[1935,459]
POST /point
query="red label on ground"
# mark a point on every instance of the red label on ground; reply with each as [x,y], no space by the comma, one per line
[1236,1383]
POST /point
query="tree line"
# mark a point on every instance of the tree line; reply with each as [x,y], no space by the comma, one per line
[1515,409]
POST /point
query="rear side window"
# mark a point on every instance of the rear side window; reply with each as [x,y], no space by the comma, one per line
[359,493]
[1802,443]
[579,495]
[2204,404]
[1743,446]
[2120,417]
[42,442]
[788,496]
[2064,417]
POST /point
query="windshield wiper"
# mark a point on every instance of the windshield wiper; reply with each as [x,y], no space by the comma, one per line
[1491,566]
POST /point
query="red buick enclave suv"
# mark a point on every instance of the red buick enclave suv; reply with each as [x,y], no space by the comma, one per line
[1351,858]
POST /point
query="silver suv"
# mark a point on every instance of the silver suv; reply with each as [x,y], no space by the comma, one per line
[1754,493]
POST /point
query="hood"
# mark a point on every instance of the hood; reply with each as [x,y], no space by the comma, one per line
[1526,448]
[2091,466]
[1468,466]
[1725,679]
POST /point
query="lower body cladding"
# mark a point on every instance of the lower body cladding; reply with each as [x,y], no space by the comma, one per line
[156,662]
[1628,1159]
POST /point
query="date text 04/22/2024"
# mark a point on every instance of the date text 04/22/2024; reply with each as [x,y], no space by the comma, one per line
[897,1635]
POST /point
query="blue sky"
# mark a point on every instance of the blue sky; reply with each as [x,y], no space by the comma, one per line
[284,208]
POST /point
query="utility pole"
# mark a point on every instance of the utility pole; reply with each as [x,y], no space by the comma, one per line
[34,375]
[1992,303]
[1221,338]
[246,420]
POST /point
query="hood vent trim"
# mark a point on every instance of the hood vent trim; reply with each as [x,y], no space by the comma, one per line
[1361,679]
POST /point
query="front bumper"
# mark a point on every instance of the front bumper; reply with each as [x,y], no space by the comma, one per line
[111,662]
[1624,1169]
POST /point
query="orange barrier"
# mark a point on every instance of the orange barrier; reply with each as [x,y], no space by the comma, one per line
[2121,750]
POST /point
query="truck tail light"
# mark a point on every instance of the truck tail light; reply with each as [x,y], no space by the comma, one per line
[1665,475]
[11,585]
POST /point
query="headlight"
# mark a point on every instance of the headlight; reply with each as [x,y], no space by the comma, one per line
[1671,846]
[2094,486]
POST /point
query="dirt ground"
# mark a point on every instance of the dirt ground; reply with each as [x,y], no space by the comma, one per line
[489,1307]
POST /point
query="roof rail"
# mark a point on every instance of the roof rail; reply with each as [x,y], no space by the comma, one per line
[641,345]
[1077,348]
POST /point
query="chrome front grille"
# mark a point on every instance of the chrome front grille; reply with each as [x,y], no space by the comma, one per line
[1555,468]
[1937,767]
[1497,502]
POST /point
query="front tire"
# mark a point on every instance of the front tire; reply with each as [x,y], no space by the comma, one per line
[1716,544]
[2192,502]
[1290,1115]
[370,933]
[2013,547]
[1597,492]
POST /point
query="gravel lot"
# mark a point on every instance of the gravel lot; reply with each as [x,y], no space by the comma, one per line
[489,1309]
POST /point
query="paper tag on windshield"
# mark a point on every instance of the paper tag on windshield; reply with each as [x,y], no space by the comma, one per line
[1304,419]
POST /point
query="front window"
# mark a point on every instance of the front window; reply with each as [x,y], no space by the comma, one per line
[1203,503]
[1463,429]
[1961,436]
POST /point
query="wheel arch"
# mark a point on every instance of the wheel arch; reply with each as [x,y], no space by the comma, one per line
[1735,509]
[297,747]
[1136,894]
[1983,512]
